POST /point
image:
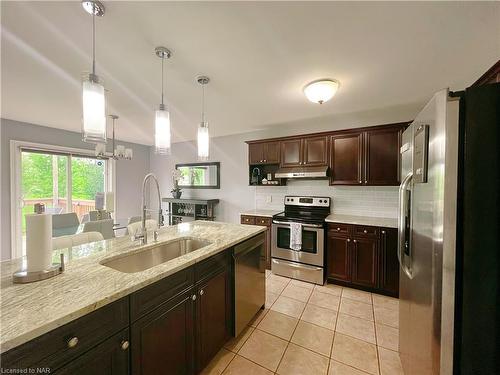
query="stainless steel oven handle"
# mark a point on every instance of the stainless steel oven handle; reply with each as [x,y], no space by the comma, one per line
[403,208]
[304,225]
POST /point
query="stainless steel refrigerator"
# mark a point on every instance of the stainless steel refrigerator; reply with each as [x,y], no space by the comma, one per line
[439,251]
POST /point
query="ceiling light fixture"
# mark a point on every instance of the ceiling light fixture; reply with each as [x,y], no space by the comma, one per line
[93,96]
[162,115]
[321,90]
[120,152]
[203,134]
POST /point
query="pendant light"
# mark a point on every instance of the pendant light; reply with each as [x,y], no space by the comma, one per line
[93,96]
[203,134]
[162,115]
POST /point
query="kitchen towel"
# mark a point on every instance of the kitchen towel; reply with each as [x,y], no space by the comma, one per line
[295,236]
[38,242]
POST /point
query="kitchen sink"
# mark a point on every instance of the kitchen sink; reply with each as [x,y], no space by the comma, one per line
[153,256]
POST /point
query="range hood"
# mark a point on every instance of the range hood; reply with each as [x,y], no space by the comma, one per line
[302,172]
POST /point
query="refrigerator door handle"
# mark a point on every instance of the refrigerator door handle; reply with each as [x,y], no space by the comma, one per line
[404,205]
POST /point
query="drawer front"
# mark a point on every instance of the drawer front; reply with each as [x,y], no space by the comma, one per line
[211,266]
[365,231]
[247,219]
[64,344]
[339,228]
[265,221]
[152,296]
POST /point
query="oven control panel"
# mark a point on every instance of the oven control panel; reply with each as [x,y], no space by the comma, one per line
[292,200]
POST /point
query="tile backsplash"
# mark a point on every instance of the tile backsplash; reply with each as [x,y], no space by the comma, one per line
[373,201]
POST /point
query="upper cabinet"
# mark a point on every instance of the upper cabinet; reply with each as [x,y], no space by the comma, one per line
[382,156]
[361,156]
[346,159]
[304,152]
[264,153]
[368,157]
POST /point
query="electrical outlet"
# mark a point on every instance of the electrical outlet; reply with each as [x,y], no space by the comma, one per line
[269,199]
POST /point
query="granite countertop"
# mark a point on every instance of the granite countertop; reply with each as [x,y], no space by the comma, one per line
[363,220]
[30,310]
[257,212]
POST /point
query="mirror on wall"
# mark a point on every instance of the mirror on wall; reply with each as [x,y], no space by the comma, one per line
[199,175]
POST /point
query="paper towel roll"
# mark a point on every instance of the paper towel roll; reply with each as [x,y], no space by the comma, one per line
[110,202]
[38,242]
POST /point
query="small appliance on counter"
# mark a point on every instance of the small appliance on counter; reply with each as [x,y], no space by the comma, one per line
[307,262]
[255,179]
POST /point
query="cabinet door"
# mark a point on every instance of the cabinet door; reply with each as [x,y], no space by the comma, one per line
[213,317]
[291,153]
[388,264]
[315,151]
[382,156]
[346,155]
[163,340]
[337,264]
[271,152]
[364,261]
[255,153]
[111,357]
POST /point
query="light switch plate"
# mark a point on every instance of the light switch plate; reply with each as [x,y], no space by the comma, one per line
[269,199]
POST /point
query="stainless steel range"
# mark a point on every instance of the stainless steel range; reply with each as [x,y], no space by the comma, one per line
[307,263]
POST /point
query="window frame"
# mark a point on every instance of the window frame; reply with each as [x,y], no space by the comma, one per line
[16,183]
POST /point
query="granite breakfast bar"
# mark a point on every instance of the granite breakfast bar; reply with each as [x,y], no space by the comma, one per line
[32,313]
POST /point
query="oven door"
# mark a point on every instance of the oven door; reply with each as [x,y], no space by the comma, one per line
[312,250]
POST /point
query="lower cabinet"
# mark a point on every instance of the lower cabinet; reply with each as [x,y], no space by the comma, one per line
[174,326]
[364,261]
[108,358]
[163,340]
[363,257]
[213,317]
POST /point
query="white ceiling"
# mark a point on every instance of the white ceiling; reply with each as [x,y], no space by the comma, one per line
[258,55]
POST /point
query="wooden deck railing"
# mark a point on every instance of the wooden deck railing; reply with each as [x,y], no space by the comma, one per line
[79,206]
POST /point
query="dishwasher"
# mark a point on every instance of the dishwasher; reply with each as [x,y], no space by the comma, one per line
[249,280]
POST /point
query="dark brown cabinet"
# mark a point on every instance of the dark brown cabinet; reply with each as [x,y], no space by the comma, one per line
[388,261]
[381,165]
[291,153]
[346,156]
[213,317]
[163,340]
[304,152]
[266,222]
[364,261]
[264,153]
[369,157]
[338,257]
[108,358]
[364,257]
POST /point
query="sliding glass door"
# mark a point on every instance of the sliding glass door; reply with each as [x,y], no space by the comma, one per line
[64,182]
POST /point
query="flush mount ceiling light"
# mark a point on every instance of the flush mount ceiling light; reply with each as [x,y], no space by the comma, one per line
[162,115]
[321,90]
[93,97]
[203,134]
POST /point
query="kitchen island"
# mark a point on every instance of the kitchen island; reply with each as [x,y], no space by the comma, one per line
[31,312]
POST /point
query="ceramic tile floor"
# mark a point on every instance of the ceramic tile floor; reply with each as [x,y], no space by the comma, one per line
[308,330]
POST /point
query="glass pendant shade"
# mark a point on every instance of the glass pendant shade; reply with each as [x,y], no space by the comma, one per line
[162,132]
[94,110]
[203,141]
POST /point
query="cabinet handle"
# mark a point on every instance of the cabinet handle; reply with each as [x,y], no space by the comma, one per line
[348,240]
[366,181]
[365,231]
[193,297]
[72,342]
[360,181]
[124,345]
[202,292]
[354,241]
[383,232]
[338,229]
[265,160]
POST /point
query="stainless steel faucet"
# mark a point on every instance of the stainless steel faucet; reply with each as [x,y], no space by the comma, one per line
[143,236]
